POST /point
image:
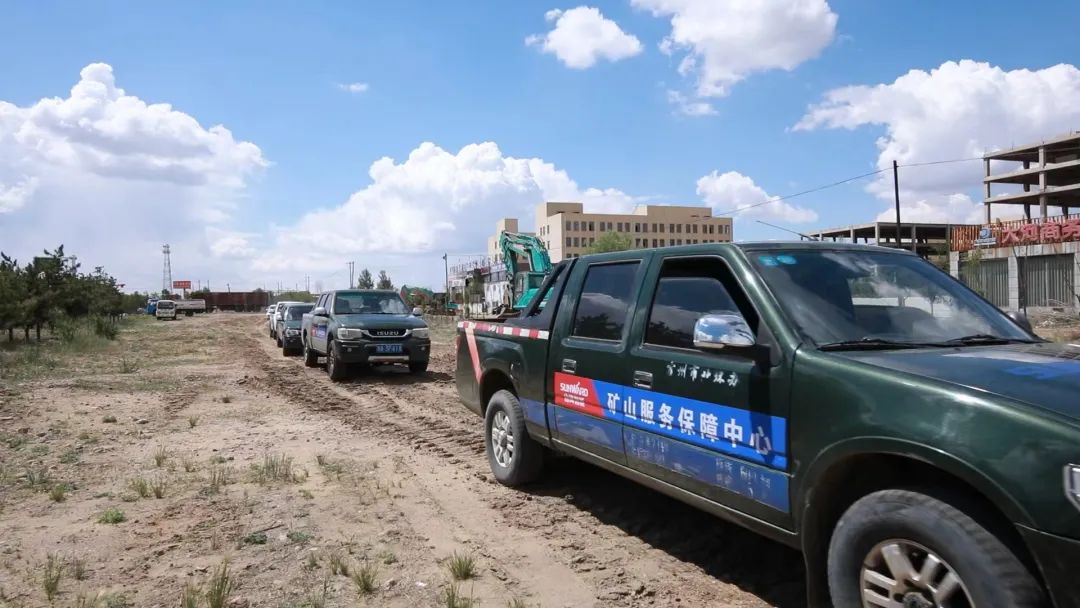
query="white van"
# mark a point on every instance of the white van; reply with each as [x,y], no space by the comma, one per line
[166,309]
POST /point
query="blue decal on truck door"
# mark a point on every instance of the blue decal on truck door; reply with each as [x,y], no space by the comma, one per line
[748,435]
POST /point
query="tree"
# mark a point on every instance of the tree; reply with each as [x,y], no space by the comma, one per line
[365,281]
[12,295]
[611,241]
[384,281]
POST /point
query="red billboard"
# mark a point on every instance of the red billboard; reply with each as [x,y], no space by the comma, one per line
[181,284]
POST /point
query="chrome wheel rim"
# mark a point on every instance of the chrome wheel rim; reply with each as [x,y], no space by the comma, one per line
[502,439]
[904,574]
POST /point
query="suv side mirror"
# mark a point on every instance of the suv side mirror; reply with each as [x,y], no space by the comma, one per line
[320,312]
[417,312]
[715,332]
[1020,318]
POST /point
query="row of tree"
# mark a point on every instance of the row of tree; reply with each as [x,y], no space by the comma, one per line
[366,281]
[52,287]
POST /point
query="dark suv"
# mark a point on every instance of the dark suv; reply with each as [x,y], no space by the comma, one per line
[364,327]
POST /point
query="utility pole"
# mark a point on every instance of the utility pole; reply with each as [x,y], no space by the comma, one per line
[896,193]
[352,266]
[446,268]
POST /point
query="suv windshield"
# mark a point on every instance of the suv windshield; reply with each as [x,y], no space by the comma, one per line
[166,304]
[368,303]
[842,297]
[296,313]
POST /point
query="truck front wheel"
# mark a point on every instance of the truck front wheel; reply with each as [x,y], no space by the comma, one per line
[311,358]
[515,457]
[336,369]
[902,548]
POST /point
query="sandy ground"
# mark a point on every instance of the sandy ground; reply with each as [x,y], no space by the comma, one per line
[385,472]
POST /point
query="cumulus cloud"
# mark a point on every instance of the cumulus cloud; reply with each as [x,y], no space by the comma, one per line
[354,87]
[582,36]
[944,209]
[957,110]
[229,244]
[14,196]
[113,177]
[724,41]
[433,201]
[689,107]
[725,192]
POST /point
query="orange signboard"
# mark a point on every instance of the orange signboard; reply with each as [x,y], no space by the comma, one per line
[181,284]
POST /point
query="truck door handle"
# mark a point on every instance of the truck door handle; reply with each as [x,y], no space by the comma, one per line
[643,379]
[569,366]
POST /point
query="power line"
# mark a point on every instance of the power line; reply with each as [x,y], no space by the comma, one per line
[842,182]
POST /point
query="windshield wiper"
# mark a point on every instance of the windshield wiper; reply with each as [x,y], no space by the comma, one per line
[873,344]
[980,339]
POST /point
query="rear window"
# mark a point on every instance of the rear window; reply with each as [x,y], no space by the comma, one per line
[295,313]
[605,301]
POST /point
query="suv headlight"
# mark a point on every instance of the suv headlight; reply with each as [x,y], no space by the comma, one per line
[292,332]
[348,334]
[421,333]
[1072,484]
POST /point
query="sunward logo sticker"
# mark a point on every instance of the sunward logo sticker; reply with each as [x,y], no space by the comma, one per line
[577,393]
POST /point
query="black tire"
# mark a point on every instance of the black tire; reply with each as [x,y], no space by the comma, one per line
[418,367]
[280,344]
[286,351]
[311,358]
[527,460]
[337,370]
[989,571]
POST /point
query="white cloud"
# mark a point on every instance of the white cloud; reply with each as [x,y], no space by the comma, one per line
[725,41]
[433,201]
[952,208]
[582,36]
[687,107]
[725,192]
[113,177]
[14,196]
[958,110]
[229,244]
[354,87]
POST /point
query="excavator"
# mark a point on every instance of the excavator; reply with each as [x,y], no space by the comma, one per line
[525,282]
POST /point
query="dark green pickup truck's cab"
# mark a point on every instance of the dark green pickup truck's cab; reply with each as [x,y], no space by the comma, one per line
[919,446]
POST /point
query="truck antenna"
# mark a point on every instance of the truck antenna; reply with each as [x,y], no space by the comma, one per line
[805,236]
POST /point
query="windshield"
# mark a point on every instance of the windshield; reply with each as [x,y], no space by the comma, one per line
[849,296]
[165,304]
[369,303]
[296,313]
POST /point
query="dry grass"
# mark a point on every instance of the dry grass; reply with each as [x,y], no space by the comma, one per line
[52,573]
[219,587]
[365,578]
[160,456]
[462,566]
[277,467]
[453,597]
[112,516]
[339,564]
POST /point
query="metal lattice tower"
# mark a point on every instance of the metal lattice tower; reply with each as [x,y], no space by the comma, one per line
[166,270]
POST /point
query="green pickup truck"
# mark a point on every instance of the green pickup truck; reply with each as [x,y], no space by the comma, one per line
[355,327]
[919,446]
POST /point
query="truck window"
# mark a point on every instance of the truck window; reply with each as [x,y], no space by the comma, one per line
[604,301]
[687,290]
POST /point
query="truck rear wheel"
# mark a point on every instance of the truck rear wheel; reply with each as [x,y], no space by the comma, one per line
[902,548]
[515,457]
[311,358]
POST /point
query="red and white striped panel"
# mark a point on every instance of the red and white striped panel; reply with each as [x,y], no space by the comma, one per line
[502,330]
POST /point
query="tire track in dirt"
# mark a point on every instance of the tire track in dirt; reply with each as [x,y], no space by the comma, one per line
[635,547]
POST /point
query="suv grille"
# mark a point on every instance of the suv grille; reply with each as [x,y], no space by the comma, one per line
[387,333]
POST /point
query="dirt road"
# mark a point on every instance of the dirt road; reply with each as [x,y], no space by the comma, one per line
[385,474]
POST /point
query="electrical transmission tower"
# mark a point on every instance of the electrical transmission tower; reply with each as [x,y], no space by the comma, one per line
[166,270]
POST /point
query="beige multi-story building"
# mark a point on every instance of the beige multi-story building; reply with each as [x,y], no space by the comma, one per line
[568,231]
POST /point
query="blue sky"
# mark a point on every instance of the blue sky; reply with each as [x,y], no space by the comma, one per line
[456,74]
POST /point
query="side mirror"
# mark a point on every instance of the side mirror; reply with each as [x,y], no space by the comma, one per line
[320,312]
[716,332]
[1021,319]
[417,312]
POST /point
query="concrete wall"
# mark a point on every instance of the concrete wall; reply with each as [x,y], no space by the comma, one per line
[1014,275]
